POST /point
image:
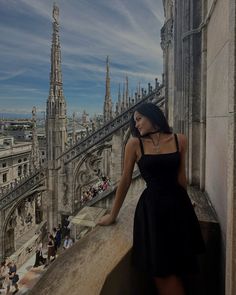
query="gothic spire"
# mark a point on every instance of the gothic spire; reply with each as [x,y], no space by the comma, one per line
[56,123]
[56,85]
[123,98]
[107,110]
[108,90]
[139,89]
[34,157]
[126,92]
[119,94]
[74,130]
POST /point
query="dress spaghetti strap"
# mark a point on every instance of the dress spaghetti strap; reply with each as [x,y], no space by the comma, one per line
[176,141]
[141,146]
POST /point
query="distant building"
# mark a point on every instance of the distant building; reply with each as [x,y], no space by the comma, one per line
[20,130]
[20,134]
[14,160]
[16,123]
[85,119]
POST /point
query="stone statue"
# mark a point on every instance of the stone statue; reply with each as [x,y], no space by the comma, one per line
[55,13]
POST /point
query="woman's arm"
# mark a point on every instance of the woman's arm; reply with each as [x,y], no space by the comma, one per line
[183,148]
[123,186]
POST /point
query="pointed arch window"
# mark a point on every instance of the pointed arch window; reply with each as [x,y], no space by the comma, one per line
[25,169]
[19,170]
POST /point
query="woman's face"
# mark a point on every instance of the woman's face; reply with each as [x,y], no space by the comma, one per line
[143,124]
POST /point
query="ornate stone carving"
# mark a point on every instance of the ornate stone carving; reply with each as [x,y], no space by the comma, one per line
[12,223]
[166,34]
[38,177]
[23,186]
[55,13]
[65,194]
[107,130]
[92,169]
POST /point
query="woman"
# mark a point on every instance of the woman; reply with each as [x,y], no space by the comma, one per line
[166,234]
[39,259]
[51,249]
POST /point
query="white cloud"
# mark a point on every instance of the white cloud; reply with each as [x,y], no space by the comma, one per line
[127,31]
[9,75]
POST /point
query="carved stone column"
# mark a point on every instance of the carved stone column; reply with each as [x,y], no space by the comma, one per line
[116,156]
[52,205]
[231,196]
[168,62]
[1,235]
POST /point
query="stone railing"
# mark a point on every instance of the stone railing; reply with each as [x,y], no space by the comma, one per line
[107,193]
[109,128]
[21,187]
[29,181]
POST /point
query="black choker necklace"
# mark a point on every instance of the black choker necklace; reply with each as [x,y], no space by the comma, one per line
[152,132]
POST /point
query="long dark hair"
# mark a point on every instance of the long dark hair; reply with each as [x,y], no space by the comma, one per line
[154,114]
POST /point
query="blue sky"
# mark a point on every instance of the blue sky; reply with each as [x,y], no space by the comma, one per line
[126,30]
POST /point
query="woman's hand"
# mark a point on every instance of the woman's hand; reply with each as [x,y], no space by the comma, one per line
[106,220]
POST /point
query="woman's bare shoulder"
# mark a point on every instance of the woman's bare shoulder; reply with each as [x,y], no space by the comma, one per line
[132,144]
[182,140]
[133,141]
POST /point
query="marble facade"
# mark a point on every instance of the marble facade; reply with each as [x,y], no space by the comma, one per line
[201,54]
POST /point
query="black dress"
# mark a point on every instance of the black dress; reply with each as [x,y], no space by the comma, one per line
[166,233]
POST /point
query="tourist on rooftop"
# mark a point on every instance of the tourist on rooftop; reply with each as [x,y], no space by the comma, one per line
[65,224]
[68,242]
[51,249]
[39,259]
[58,236]
[54,234]
[13,276]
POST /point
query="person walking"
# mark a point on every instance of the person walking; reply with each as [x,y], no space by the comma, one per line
[166,235]
[13,276]
[67,243]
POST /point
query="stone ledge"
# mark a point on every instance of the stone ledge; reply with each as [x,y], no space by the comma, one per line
[90,265]
[84,267]
[203,207]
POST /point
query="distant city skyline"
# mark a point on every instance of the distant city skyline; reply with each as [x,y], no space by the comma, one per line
[127,31]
